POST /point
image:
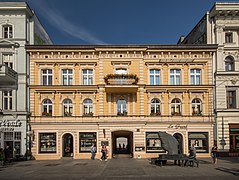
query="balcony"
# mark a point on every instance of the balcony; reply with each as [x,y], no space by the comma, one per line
[8,78]
[121,79]
[121,83]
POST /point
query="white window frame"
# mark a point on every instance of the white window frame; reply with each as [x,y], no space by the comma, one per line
[153,73]
[155,105]
[196,102]
[8,60]
[48,75]
[67,77]
[87,106]
[67,107]
[194,75]
[47,104]
[174,106]
[88,76]
[7,100]
[7,31]
[174,73]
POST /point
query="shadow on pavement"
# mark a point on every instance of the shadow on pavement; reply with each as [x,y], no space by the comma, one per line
[232,171]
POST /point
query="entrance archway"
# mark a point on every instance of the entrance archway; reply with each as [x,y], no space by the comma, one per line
[179,138]
[122,142]
[67,145]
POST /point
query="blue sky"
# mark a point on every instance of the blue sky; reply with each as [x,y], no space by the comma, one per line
[119,21]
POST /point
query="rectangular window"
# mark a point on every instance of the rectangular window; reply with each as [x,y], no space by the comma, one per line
[228,37]
[7,100]
[7,31]
[87,76]
[47,142]
[199,140]
[86,141]
[231,99]
[195,76]
[67,76]
[175,77]
[47,77]
[153,143]
[8,60]
[154,77]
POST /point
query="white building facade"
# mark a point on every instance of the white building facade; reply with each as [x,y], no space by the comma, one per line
[18,26]
[221,26]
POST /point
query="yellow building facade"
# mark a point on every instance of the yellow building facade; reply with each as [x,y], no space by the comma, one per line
[120,96]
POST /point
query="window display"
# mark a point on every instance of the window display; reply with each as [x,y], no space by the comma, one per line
[153,143]
[86,141]
[47,143]
[199,140]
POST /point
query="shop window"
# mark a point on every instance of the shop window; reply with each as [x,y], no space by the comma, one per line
[13,140]
[153,143]
[199,140]
[47,142]
[86,141]
[234,137]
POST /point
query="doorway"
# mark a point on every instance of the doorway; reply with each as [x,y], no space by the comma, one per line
[122,143]
[179,138]
[67,145]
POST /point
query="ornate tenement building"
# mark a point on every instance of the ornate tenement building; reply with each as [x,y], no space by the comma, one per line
[221,26]
[18,26]
[121,96]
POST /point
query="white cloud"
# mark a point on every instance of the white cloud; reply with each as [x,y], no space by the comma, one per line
[65,25]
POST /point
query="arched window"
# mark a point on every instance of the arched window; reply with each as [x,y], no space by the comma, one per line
[67,107]
[87,107]
[196,107]
[121,71]
[121,107]
[229,63]
[155,107]
[47,107]
[7,31]
[176,107]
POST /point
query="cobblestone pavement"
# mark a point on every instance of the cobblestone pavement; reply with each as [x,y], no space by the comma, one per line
[120,168]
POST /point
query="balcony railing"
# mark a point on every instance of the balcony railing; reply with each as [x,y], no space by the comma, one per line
[115,79]
[8,77]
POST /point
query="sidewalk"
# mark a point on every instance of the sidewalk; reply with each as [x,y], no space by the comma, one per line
[121,168]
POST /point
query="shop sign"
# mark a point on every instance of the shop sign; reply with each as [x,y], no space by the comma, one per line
[139,148]
[10,124]
[177,126]
[6,130]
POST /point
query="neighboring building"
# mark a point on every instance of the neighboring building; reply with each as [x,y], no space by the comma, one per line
[121,96]
[221,26]
[18,26]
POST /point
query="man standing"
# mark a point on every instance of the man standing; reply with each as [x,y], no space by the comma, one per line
[93,150]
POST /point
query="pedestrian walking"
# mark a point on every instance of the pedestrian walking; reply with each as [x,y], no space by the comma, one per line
[104,153]
[214,154]
[93,151]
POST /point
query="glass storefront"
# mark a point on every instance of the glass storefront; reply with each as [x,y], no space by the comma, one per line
[13,140]
[47,142]
[153,143]
[234,137]
[86,141]
[200,141]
